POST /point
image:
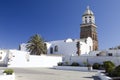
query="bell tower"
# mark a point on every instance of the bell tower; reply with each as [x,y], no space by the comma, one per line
[88,27]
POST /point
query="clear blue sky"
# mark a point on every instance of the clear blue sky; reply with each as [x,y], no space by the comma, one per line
[56,20]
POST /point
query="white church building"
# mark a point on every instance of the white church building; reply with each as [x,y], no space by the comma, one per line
[68,47]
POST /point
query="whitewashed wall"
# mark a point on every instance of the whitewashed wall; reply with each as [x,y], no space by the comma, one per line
[106,52]
[22,59]
[68,47]
[4,57]
[64,48]
[91,59]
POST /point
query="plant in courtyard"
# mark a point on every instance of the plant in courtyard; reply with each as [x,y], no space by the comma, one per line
[116,72]
[96,66]
[8,71]
[75,64]
[60,64]
[66,63]
[36,45]
[109,66]
[85,63]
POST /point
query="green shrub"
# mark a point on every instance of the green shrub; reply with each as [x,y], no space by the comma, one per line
[66,63]
[8,71]
[101,67]
[109,66]
[116,72]
[85,63]
[60,64]
[75,64]
[96,66]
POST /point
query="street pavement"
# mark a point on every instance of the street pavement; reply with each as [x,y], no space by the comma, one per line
[51,74]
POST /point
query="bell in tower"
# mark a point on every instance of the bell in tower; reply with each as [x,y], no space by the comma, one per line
[88,27]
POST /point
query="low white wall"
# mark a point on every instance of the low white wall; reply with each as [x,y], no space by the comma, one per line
[35,61]
[103,76]
[4,59]
[71,68]
[23,59]
[92,59]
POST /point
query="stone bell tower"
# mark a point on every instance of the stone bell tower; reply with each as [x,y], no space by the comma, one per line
[88,27]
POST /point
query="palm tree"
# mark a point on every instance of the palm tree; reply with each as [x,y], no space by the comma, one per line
[36,45]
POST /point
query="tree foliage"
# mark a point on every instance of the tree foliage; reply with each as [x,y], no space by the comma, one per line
[36,45]
[116,72]
[109,66]
[96,66]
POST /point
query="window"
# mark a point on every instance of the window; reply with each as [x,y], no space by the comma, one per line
[97,54]
[56,49]
[90,20]
[78,44]
[85,20]
[51,50]
[109,54]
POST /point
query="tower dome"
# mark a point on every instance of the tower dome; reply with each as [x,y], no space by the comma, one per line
[88,17]
[88,11]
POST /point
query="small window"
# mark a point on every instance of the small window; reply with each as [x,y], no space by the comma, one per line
[85,20]
[51,50]
[89,16]
[109,54]
[78,44]
[90,21]
[97,54]
[56,49]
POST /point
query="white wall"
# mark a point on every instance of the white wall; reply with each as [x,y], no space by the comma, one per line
[91,59]
[114,52]
[4,57]
[64,48]
[68,47]
[106,52]
[20,59]
[71,68]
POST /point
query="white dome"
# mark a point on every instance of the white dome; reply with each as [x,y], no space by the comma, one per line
[69,40]
[88,11]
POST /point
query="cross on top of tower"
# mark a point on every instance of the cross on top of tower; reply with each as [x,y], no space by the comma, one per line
[88,7]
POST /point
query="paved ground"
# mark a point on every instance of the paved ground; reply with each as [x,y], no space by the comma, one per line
[51,74]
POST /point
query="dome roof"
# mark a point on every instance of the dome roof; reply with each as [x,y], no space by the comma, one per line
[88,11]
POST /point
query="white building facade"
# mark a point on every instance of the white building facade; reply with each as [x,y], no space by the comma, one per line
[68,47]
